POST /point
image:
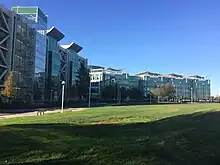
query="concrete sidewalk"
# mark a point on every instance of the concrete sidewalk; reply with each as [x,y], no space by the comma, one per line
[4,116]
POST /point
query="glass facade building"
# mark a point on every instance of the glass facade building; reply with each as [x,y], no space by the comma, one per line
[53,65]
[37,20]
[17,53]
[186,87]
[39,62]
[102,77]
[73,63]
[23,59]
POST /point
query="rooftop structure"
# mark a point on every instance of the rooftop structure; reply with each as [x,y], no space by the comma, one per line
[55,33]
[171,75]
[148,73]
[75,47]
[95,67]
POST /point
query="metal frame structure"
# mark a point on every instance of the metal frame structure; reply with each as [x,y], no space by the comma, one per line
[5,43]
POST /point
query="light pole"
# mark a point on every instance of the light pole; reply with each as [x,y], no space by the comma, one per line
[203,95]
[51,96]
[148,89]
[89,104]
[63,87]
[191,95]
[176,95]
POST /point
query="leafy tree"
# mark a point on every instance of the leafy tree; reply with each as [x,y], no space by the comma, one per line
[8,91]
[83,81]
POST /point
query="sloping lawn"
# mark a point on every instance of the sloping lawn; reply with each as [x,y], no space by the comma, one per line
[131,135]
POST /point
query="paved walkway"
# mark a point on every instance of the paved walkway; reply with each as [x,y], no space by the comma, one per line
[2,115]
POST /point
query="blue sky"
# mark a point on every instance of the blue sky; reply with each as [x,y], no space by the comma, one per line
[181,36]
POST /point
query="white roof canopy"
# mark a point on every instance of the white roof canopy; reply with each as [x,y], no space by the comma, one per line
[73,46]
[54,32]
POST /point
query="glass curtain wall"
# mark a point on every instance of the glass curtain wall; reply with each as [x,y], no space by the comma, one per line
[24,60]
[53,70]
[37,20]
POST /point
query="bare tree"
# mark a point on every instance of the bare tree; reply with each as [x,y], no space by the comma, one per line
[165,91]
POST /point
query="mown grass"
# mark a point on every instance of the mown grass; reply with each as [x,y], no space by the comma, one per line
[129,135]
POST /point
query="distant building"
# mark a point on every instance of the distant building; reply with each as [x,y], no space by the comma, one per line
[102,77]
[187,87]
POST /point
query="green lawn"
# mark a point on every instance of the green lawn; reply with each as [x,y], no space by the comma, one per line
[154,135]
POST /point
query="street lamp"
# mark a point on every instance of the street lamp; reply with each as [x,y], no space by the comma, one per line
[89,104]
[148,91]
[119,93]
[51,96]
[191,95]
[203,94]
[63,85]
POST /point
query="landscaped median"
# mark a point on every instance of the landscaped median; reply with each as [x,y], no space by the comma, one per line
[129,135]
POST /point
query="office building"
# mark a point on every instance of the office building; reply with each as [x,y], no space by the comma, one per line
[53,62]
[63,63]
[186,87]
[73,63]
[17,51]
[53,65]
[36,19]
[101,77]
[34,55]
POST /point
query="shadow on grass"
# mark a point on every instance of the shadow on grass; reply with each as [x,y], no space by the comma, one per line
[187,139]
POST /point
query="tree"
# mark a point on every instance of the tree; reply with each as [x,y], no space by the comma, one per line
[217,98]
[151,98]
[8,91]
[167,90]
[156,91]
[83,81]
